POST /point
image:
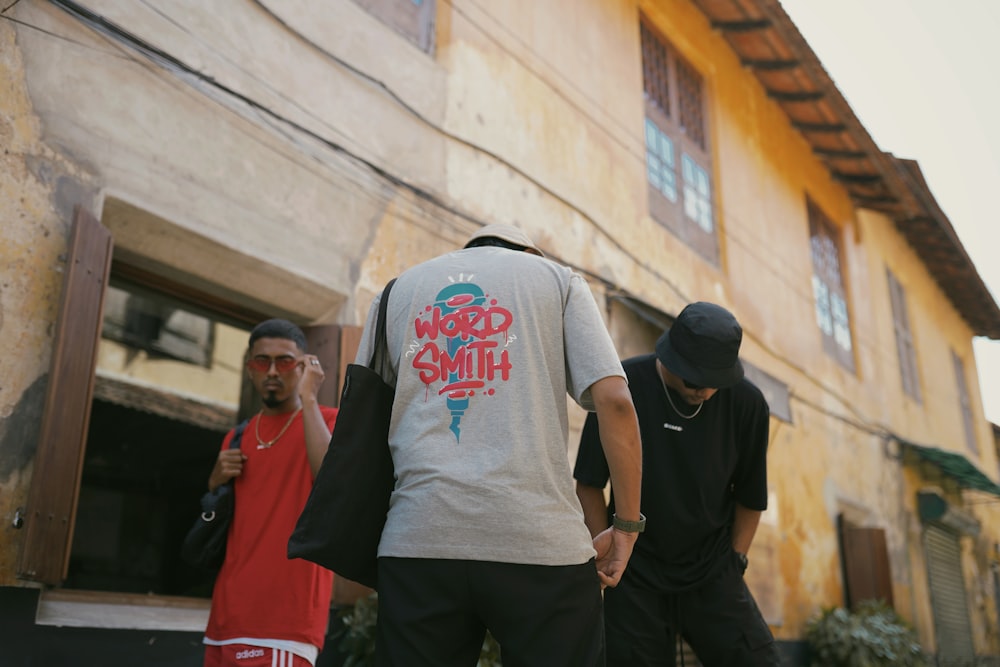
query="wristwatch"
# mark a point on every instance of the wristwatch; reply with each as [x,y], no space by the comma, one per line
[629,526]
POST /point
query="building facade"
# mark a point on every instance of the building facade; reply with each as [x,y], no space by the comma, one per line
[173,173]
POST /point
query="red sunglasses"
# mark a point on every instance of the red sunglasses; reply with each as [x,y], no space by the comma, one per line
[262,364]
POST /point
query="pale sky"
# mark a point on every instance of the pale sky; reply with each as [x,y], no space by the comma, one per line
[921,75]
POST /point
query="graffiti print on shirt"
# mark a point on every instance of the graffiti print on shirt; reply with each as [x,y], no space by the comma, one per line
[461,347]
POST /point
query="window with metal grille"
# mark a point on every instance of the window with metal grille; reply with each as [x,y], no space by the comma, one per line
[828,288]
[689,98]
[904,337]
[414,19]
[678,162]
[964,403]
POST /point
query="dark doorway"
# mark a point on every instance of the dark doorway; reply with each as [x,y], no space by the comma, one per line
[142,477]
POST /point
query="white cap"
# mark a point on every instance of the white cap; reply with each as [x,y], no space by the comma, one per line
[508,233]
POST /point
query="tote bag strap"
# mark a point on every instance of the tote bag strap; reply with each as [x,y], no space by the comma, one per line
[380,355]
[235,443]
[238,434]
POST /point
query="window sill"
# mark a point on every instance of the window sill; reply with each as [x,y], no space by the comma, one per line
[121,611]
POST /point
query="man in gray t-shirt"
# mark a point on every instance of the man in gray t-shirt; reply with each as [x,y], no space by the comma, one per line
[484,528]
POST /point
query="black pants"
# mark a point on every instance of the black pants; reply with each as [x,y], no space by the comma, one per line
[332,655]
[435,613]
[720,621]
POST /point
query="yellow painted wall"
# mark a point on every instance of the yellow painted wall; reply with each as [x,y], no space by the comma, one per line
[34,221]
[561,153]
[510,120]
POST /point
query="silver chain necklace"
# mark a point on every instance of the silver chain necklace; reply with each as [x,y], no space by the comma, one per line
[671,401]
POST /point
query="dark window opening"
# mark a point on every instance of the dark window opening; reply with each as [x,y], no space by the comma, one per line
[142,477]
[153,437]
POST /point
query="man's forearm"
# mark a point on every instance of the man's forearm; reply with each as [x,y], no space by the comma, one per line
[317,434]
[744,527]
[619,431]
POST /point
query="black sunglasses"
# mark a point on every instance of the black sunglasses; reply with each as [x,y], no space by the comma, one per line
[691,385]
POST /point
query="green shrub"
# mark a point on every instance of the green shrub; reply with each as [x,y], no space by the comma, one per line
[872,636]
[359,641]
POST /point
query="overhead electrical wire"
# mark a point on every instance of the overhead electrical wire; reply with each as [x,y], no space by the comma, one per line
[275,120]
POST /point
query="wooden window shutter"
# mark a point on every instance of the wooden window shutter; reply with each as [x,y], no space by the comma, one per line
[904,337]
[691,103]
[866,564]
[52,497]
[655,71]
[336,346]
[964,403]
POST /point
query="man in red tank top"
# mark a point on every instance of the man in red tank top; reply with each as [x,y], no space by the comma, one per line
[266,609]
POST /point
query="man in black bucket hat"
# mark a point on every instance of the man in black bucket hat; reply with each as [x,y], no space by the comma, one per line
[704,443]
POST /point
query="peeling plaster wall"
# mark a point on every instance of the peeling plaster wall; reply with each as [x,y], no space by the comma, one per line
[275,206]
[37,187]
[544,137]
[211,169]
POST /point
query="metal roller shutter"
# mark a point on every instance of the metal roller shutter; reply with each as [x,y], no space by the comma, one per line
[948,602]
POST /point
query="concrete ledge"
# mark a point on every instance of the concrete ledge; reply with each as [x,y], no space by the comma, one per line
[121,611]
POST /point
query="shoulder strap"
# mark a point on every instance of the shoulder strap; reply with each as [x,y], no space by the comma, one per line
[234,444]
[238,434]
[380,354]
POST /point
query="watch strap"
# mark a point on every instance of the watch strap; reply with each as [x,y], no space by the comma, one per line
[629,526]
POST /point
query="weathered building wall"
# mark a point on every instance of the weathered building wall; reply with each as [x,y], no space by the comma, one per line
[220,173]
[37,191]
[361,155]
[561,152]
[545,137]
[274,204]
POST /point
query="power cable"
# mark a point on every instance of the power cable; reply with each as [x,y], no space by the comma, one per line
[378,83]
[170,62]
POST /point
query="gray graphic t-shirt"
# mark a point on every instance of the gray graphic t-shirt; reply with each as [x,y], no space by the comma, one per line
[486,343]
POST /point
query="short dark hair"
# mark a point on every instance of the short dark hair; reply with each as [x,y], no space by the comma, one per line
[278,328]
[494,241]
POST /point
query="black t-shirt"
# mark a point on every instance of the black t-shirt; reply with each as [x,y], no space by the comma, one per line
[694,471]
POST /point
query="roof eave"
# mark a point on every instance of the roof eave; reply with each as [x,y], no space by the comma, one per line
[767,41]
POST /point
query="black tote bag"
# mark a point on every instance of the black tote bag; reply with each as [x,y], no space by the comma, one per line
[341,524]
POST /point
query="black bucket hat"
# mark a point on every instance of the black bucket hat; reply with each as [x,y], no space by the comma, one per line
[703,346]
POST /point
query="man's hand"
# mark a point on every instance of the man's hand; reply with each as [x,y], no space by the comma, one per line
[614,548]
[228,465]
[312,378]
[314,425]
